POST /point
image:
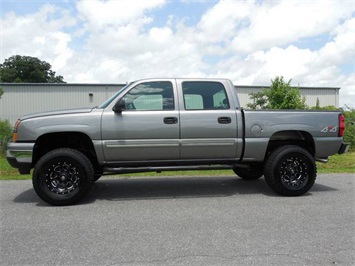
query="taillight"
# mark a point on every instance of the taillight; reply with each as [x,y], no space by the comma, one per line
[341,125]
[17,124]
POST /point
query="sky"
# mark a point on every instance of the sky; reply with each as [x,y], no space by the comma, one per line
[251,42]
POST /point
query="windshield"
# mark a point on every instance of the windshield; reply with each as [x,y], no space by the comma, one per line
[109,100]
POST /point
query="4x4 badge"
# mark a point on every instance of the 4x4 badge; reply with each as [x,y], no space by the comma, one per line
[329,129]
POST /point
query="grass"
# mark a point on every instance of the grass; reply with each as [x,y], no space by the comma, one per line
[344,163]
[9,173]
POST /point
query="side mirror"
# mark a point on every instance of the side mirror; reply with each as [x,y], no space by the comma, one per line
[119,106]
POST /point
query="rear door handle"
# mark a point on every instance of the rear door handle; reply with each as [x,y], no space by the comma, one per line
[170,120]
[224,120]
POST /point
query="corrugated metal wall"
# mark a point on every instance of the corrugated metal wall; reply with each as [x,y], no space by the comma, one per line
[326,95]
[19,99]
[243,93]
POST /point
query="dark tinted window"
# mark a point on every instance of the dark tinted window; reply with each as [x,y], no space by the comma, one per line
[204,95]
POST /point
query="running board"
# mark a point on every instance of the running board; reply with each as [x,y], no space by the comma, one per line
[127,170]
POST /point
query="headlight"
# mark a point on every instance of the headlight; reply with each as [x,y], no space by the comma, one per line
[17,124]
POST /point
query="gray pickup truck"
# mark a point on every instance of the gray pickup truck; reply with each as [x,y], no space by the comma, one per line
[172,124]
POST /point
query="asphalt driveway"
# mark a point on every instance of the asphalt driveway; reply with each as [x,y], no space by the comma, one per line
[181,221]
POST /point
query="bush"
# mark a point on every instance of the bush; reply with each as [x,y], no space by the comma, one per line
[349,135]
[5,135]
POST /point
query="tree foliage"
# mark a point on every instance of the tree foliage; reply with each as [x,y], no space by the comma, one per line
[280,95]
[5,135]
[28,69]
[259,100]
[349,135]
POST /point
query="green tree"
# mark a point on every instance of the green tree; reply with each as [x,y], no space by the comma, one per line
[29,69]
[259,100]
[280,95]
[5,135]
[1,92]
[349,135]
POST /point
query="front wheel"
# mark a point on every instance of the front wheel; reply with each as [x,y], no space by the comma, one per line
[62,176]
[290,170]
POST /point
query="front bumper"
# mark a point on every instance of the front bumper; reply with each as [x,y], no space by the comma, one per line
[19,155]
[344,148]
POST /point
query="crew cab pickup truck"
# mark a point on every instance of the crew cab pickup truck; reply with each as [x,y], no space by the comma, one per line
[172,124]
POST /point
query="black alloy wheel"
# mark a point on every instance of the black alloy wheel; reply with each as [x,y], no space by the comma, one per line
[290,170]
[63,176]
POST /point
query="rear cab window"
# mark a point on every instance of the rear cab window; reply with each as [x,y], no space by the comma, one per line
[204,95]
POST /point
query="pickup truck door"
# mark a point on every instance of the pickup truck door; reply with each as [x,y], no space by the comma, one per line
[207,120]
[148,126]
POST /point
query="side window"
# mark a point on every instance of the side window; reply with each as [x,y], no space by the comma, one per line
[150,96]
[204,95]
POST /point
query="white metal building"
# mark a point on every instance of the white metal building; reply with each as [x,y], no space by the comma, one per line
[24,98]
[327,95]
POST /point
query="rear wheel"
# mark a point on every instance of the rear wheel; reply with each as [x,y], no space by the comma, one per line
[62,176]
[247,173]
[290,170]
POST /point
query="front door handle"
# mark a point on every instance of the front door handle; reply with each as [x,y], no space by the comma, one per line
[224,120]
[170,120]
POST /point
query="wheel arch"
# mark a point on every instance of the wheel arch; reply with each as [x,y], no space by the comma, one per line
[74,140]
[291,137]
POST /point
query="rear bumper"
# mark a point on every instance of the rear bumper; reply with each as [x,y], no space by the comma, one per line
[344,148]
[19,155]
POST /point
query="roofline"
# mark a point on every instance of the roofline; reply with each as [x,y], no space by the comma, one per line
[124,84]
[63,84]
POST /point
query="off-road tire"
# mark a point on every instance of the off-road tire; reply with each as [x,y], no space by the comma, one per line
[62,176]
[290,170]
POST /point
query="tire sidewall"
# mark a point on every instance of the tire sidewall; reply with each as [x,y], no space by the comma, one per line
[74,157]
[273,167]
